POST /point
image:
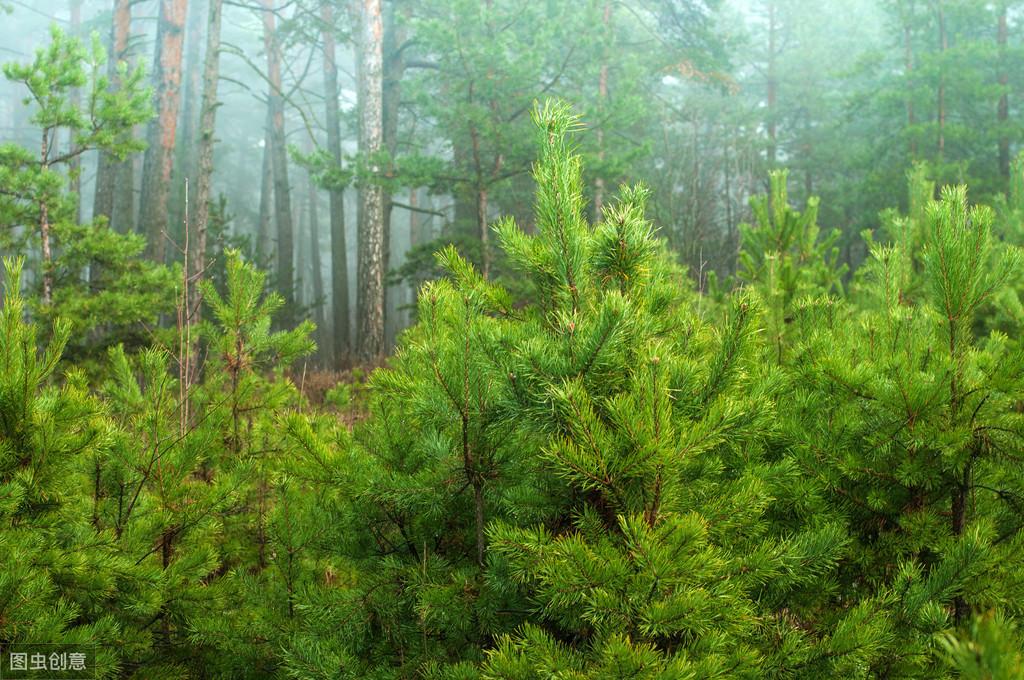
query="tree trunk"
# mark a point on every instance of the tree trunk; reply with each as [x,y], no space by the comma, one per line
[114,180]
[156,173]
[264,237]
[75,165]
[44,223]
[482,197]
[193,96]
[371,195]
[602,99]
[339,252]
[415,227]
[279,162]
[1004,97]
[204,154]
[941,103]
[908,66]
[772,87]
[393,65]
[316,264]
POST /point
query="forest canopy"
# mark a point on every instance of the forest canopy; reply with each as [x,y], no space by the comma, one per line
[503,339]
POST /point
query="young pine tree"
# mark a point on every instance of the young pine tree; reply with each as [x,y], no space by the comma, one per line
[274,518]
[912,422]
[574,488]
[85,274]
[57,582]
[784,260]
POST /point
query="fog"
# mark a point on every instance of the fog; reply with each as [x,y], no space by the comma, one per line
[695,98]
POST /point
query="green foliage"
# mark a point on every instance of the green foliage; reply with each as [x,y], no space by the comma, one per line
[990,651]
[911,422]
[89,267]
[783,258]
[55,579]
[595,474]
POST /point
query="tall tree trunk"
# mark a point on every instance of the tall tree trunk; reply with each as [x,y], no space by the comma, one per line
[908,67]
[371,196]
[1004,97]
[204,154]
[339,252]
[193,96]
[316,265]
[391,94]
[602,99]
[264,237]
[114,179]
[44,222]
[941,96]
[415,227]
[772,86]
[75,165]
[156,173]
[279,162]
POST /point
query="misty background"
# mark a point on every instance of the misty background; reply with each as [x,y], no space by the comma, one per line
[696,99]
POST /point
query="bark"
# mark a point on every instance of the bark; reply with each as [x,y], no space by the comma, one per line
[772,87]
[371,238]
[908,66]
[415,227]
[114,179]
[391,95]
[482,198]
[156,173]
[264,238]
[602,98]
[941,95]
[482,185]
[339,251]
[315,261]
[193,95]
[958,512]
[44,223]
[75,165]
[204,153]
[1004,98]
[279,162]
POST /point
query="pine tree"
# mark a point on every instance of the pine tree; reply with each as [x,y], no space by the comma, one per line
[574,486]
[86,274]
[241,408]
[911,420]
[783,258]
[56,579]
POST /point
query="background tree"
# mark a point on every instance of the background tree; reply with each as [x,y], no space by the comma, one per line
[161,134]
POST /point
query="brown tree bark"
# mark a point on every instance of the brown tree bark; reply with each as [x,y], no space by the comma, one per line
[204,155]
[156,173]
[279,162]
[264,237]
[393,65]
[1003,114]
[602,98]
[44,222]
[114,179]
[315,262]
[192,100]
[339,252]
[941,94]
[908,66]
[772,87]
[370,307]
[75,164]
